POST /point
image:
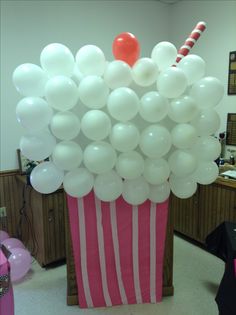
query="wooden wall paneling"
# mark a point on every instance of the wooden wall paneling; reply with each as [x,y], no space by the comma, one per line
[185,215]
[202,215]
[232,213]
[227,205]
[168,288]
[216,204]
[205,207]
[220,203]
[62,205]
[49,224]
[60,224]
[174,206]
[44,215]
[35,239]
[54,225]
[3,221]
[62,231]
[72,290]
[193,216]
[211,205]
[12,200]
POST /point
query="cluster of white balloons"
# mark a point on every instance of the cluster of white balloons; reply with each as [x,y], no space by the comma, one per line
[139,131]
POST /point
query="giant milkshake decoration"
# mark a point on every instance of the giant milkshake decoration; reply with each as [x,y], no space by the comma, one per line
[120,136]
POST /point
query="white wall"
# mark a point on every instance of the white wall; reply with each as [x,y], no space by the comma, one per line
[215,43]
[28,26]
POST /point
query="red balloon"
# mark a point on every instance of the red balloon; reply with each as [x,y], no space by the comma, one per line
[126,47]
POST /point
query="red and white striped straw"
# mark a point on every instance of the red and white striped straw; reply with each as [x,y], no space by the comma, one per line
[191,40]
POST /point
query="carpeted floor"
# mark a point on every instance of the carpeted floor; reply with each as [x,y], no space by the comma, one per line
[197,275]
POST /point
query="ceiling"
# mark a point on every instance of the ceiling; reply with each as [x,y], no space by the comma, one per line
[169,1]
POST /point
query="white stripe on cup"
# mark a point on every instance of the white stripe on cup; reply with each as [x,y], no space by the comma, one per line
[83,252]
[115,240]
[135,254]
[101,251]
[153,252]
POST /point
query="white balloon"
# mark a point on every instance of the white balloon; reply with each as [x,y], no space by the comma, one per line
[93,92]
[118,74]
[207,148]
[65,125]
[183,104]
[182,187]
[78,183]
[77,75]
[172,82]
[207,92]
[123,104]
[206,173]
[37,146]
[61,93]
[183,136]
[156,171]
[46,178]
[153,107]
[193,66]
[182,109]
[130,165]
[159,193]
[182,163]
[135,191]
[91,60]
[28,111]
[57,59]
[96,125]
[99,157]
[108,186]
[164,54]
[206,122]
[67,155]
[124,136]
[145,72]
[155,141]
[29,80]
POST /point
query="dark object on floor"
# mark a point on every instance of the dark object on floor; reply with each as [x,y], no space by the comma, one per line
[222,243]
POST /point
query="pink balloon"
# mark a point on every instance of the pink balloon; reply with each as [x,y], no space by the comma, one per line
[10,243]
[3,236]
[20,261]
